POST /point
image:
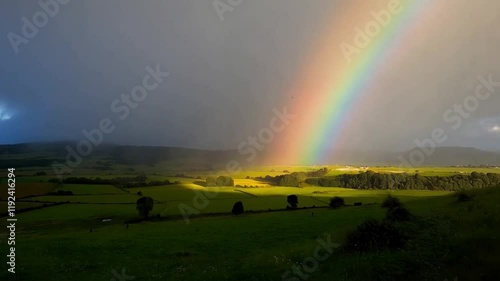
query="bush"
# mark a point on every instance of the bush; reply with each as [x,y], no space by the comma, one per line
[220,181]
[292,180]
[238,208]
[211,181]
[358,204]
[293,201]
[463,197]
[225,181]
[373,235]
[398,214]
[337,202]
[391,202]
[139,193]
[144,205]
[319,173]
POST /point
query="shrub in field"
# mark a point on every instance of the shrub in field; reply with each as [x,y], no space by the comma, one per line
[219,181]
[290,180]
[358,204]
[139,193]
[373,235]
[293,201]
[337,202]
[391,202]
[144,205]
[463,197]
[211,181]
[319,173]
[238,208]
[225,181]
[398,214]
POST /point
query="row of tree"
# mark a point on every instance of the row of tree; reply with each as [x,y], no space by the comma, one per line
[124,182]
[372,180]
[294,179]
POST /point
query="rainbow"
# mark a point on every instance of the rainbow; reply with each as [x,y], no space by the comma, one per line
[329,88]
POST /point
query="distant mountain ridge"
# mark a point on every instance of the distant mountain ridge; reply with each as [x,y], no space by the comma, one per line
[462,156]
[43,154]
[440,156]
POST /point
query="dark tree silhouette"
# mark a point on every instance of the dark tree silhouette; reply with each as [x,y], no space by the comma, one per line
[398,214]
[144,206]
[211,181]
[293,201]
[337,202]
[391,202]
[225,181]
[238,208]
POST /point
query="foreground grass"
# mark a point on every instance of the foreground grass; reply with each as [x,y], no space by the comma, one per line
[448,240]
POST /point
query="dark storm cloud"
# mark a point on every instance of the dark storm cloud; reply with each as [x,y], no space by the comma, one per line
[226,76]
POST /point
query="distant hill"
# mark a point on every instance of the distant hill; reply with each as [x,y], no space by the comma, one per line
[43,154]
[442,156]
[463,156]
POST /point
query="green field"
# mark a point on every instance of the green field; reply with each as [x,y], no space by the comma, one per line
[70,241]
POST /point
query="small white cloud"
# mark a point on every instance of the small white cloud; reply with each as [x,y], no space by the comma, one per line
[4,113]
[490,125]
[5,117]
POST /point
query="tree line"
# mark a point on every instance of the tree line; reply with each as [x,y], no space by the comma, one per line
[123,182]
[372,180]
[386,181]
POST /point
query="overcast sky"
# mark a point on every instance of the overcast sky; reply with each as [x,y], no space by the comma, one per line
[227,76]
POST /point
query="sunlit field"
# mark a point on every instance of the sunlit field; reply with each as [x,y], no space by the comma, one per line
[64,239]
[64,232]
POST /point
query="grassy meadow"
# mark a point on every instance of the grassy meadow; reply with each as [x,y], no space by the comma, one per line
[65,237]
